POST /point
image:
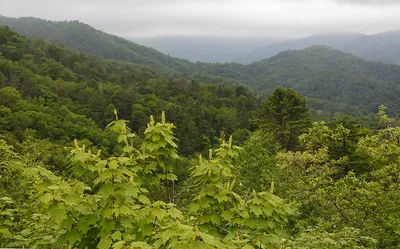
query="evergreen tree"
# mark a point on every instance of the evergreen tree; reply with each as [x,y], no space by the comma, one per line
[285,113]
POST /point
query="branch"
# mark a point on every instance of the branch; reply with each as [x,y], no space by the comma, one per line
[340,212]
[184,190]
[197,184]
[73,216]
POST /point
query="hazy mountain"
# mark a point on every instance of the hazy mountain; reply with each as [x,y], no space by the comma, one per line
[338,41]
[207,49]
[332,80]
[382,47]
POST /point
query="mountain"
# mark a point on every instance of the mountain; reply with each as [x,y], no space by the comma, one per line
[338,41]
[86,39]
[382,47]
[332,80]
[61,94]
[206,49]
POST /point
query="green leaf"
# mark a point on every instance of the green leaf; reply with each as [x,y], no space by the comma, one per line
[105,243]
[268,209]
[106,190]
[57,212]
[116,236]
[209,239]
[247,247]
[131,190]
[175,213]
[227,214]
[216,219]
[122,138]
[167,235]
[256,210]
[46,198]
[118,245]
[113,164]
[124,210]
[194,206]
[226,172]
[72,236]
[172,177]
[108,225]
[143,199]
[146,230]
[221,197]
[5,232]
[160,213]
[140,245]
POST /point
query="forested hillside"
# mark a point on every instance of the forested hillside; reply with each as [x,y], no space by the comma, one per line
[381,47]
[104,154]
[41,78]
[334,82]
[86,39]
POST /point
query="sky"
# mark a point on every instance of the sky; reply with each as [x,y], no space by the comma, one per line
[216,18]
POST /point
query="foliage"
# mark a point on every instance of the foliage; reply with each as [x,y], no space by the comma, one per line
[357,200]
[285,114]
[137,184]
[257,162]
[62,94]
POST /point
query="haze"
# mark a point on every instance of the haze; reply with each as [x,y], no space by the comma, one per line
[222,18]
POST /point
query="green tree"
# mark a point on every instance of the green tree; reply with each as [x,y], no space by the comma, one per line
[285,113]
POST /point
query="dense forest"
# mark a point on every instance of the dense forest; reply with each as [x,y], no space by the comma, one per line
[334,82]
[99,153]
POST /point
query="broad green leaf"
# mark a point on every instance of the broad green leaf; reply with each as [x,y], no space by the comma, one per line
[146,230]
[105,243]
[124,210]
[118,245]
[143,199]
[46,198]
[113,164]
[116,236]
[257,210]
[106,190]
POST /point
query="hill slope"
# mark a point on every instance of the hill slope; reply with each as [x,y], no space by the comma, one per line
[86,39]
[338,41]
[61,94]
[332,80]
[382,47]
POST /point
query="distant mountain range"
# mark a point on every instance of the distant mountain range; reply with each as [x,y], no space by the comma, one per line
[206,49]
[382,47]
[333,81]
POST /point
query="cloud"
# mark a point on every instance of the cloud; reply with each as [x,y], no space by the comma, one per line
[369,2]
[240,18]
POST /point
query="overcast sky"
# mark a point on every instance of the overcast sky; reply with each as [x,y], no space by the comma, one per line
[222,18]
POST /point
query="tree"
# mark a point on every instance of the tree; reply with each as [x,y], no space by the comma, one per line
[285,113]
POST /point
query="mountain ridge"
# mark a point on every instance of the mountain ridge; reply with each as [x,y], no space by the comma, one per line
[379,47]
[333,81]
